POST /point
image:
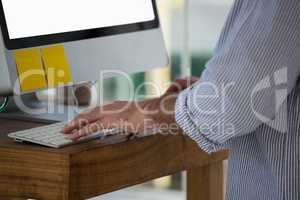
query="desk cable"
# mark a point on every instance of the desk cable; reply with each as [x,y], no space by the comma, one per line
[4,104]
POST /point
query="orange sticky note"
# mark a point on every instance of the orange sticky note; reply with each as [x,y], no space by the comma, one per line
[56,66]
[31,74]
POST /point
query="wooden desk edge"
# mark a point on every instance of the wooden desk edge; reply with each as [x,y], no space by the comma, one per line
[88,171]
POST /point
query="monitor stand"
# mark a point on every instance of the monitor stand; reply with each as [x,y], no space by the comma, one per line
[52,112]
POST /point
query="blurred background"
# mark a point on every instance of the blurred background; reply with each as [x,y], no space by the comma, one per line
[205,21]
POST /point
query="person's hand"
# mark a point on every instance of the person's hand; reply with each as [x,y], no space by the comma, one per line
[133,118]
[181,84]
[117,115]
[138,118]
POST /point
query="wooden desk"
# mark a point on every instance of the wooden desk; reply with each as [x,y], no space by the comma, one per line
[98,167]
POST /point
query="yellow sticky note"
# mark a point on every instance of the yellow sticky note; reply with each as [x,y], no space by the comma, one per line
[56,66]
[31,74]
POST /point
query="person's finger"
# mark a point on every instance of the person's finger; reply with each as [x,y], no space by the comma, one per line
[176,86]
[87,130]
[185,83]
[181,84]
[97,126]
[78,122]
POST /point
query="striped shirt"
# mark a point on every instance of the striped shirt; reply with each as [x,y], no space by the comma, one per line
[248,100]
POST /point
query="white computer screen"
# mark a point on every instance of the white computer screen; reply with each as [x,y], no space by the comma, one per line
[29,18]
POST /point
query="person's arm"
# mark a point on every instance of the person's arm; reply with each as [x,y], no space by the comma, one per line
[151,116]
[258,55]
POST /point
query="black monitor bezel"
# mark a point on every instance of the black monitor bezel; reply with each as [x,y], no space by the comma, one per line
[20,43]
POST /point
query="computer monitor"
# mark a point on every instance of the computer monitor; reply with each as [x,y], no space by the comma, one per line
[96,35]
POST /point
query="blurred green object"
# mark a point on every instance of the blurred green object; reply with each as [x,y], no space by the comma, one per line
[3,104]
[198,64]
[117,87]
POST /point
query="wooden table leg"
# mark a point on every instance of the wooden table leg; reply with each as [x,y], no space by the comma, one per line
[206,183]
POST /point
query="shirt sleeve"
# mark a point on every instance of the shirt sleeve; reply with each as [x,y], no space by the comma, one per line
[255,66]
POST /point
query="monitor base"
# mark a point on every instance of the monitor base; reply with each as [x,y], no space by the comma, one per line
[40,112]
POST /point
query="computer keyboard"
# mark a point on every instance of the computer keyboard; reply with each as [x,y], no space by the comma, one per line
[51,136]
